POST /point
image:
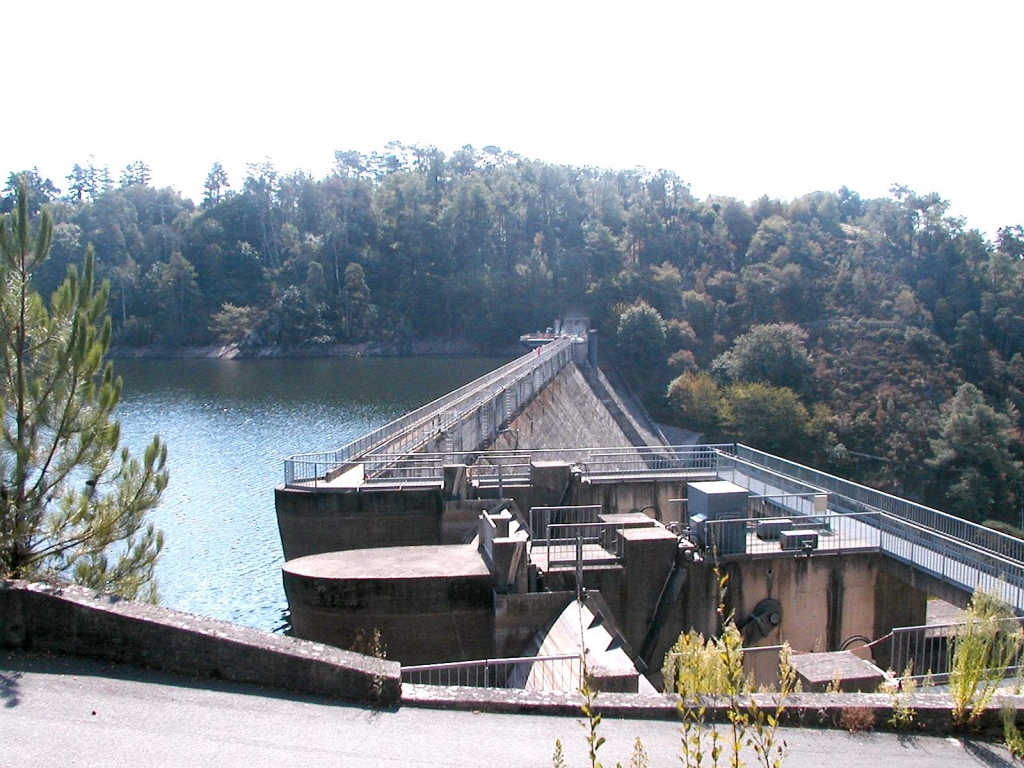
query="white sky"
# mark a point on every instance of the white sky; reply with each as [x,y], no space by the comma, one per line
[739,98]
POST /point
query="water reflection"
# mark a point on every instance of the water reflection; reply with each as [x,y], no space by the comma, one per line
[228,425]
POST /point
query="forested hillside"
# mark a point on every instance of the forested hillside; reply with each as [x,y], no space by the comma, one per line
[878,339]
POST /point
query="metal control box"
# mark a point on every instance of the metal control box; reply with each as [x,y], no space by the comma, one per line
[769,528]
[718,510]
[798,540]
[716,498]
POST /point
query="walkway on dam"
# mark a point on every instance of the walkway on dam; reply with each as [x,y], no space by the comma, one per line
[953,551]
[63,711]
[464,420]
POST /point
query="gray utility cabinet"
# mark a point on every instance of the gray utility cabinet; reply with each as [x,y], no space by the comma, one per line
[719,501]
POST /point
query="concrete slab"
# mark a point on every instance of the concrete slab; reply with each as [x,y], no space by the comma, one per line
[818,671]
[436,561]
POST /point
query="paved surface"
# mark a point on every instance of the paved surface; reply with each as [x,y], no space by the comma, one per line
[62,711]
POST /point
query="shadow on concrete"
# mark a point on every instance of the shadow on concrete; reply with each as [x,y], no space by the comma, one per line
[9,688]
[988,754]
[15,665]
[908,740]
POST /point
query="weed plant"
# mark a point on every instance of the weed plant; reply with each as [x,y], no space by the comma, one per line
[982,652]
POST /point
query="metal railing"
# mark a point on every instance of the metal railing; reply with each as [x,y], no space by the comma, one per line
[953,561]
[848,496]
[554,673]
[492,467]
[731,538]
[761,480]
[961,553]
[541,518]
[954,550]
[927,651]
[647,460]
[519,377]
[582,545]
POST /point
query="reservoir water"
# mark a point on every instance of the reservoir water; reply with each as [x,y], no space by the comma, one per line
[228,425]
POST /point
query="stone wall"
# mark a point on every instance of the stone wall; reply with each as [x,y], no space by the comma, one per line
[80,622]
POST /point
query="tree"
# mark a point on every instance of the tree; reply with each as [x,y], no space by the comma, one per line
[975,450]
[178,291]
[216,183]
[769,418]
[135,174]
[40,191]
[698,401]
[640,349]
[72,504]
[772,354]
[356,299]
[232,324]
[85,183]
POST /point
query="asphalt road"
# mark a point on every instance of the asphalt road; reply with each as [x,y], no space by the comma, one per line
[73,712]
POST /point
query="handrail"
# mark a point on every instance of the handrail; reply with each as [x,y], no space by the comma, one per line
[498,673]
[465,397]
[481,662]
[984,538]
[592,461]
[927,649]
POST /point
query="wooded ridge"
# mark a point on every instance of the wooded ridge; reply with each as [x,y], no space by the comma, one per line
[879,339]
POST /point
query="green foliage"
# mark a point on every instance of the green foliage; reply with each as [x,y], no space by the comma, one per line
[232,324]
[639,758]
[698,403]
[372,645]
[975,448]
[640,348]
[558,758]
[375,646]
[72,504]
[770,354]
[593,720]
[769,418]
[982,651]
[874,312]
[695,668]
[1011,733]
[901,691]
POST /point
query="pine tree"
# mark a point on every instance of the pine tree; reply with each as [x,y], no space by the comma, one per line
[975,453]
[73,504]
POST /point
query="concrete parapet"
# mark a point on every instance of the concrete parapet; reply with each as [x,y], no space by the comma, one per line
[810,710]
[430,604]
[313,521]
[81,622]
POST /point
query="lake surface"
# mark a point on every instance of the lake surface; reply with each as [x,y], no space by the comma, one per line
[228,425]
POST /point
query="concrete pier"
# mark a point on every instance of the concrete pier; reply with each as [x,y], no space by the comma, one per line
[429,603]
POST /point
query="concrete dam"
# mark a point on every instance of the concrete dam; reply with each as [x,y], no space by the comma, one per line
[539,505]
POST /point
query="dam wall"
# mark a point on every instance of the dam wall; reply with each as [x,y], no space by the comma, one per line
[71,620]
[566,413]
[328,518]
[826,600]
